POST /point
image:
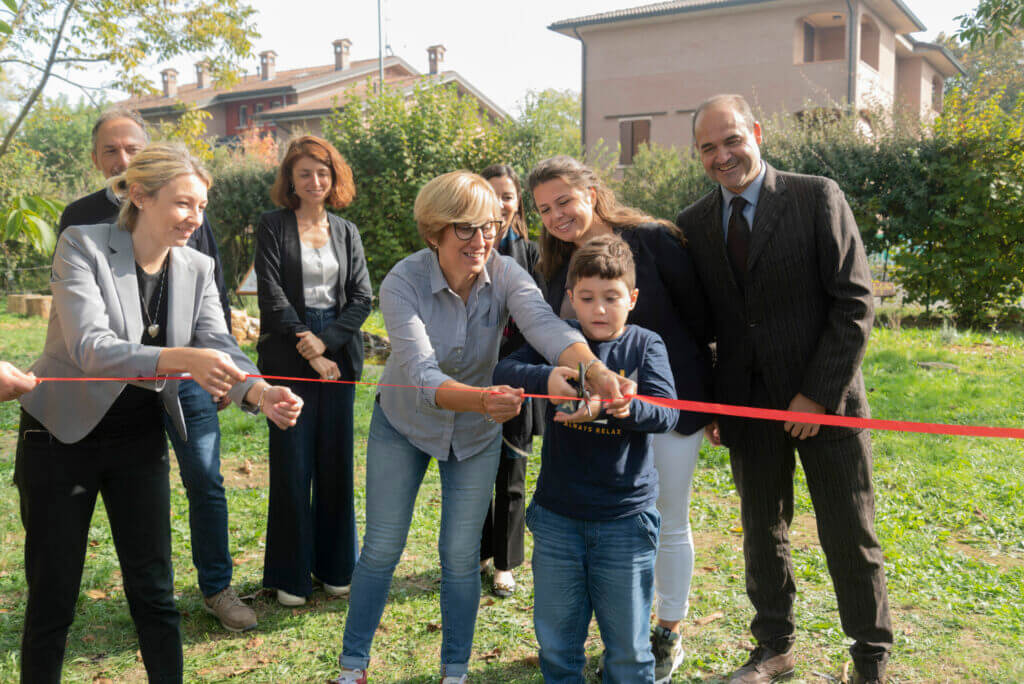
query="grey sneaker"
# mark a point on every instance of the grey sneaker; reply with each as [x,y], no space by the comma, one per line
[234,615]
[668,653]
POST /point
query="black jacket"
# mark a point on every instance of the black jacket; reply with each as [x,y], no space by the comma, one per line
[672,304]
[282,303]
[97,208]
[521,429]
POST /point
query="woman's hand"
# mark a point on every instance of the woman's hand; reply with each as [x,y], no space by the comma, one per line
[620,389]
[309,345]
[281,406]
[327,369]
[14,383]
[213,370]
[501,402]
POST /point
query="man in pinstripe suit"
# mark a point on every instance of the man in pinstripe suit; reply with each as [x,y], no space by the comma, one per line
[787,280]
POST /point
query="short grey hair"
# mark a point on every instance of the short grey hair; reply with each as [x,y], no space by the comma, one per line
[118,112]
[738,103]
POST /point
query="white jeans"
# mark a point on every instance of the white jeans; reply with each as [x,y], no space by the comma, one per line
[675,457]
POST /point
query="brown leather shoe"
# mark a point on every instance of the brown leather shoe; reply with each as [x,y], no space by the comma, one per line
[764,666]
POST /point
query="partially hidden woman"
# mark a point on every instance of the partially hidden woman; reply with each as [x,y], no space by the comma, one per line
[445,308]
[130,300]
[314,294]
[504,525]
[576,206]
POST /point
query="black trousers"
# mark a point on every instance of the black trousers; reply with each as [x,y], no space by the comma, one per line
[838,473]
[505,523]
[58,484]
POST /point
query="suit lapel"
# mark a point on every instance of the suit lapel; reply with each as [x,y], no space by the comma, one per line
[715,235]
[122,265]
[181,294]
[291,265]
[770,206]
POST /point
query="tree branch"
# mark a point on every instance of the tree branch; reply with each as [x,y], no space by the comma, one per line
[27,107]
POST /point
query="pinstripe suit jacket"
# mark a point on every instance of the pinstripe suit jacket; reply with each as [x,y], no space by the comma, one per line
[803,317]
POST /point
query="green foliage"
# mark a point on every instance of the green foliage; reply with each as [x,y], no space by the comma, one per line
[662,181]
[992,20]
[394,145]
[62,135]
[240,193]
[27,219]
[991,66]
[549,125]
[189,127]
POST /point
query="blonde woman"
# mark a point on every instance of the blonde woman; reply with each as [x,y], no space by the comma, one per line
[445,308]
[129,300]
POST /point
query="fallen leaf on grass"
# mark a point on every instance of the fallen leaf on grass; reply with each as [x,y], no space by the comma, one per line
[738,529]
[532,660]
[433,627]
[254,643]
[487,602]
[237,561]
[708,619]
[88,638]
[4,610]
[138,656]
[246,467]
[94,542]
[102,680]
[264,660]
[97,594]
[491,655]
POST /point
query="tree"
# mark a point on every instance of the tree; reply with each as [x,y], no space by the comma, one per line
[62,135]
[991,66]
[995,19]
[42,39]
[548,125]
[394,145]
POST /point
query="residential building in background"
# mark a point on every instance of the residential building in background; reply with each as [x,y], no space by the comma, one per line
[292,102]
[645,69]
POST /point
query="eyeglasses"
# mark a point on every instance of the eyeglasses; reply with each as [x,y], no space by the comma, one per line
[466,231]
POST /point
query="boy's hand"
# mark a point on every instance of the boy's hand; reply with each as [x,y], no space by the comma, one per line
[558,383]
[588,410]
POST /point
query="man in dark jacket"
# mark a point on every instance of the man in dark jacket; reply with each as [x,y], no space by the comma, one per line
[789,293]
[118,135]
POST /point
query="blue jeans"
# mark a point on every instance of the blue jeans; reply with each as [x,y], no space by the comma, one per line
[311,514]
[199,463]
[602,567]
[394,472]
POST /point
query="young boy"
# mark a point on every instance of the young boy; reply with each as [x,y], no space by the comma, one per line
[593,516]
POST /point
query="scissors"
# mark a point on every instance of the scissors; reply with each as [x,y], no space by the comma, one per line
[582,395]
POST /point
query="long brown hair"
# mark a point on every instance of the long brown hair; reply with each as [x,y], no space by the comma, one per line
[555,252]
[343,188]
[518,224]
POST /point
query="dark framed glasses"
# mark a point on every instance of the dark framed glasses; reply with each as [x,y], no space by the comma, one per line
[465,231]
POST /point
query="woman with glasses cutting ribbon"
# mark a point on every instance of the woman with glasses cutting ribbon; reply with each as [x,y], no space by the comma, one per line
[130,300]
[314,294]
[445,308]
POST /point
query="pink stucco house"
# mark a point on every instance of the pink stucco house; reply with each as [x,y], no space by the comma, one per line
[645,69]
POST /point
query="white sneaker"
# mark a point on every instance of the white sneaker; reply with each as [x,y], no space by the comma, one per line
[290,600]
[464,679]
[348,676]
[334,590]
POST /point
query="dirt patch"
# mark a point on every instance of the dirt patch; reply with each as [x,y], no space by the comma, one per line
[985,349]
[238,472]
[986,555]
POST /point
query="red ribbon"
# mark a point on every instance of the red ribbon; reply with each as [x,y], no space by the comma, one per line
[682,405]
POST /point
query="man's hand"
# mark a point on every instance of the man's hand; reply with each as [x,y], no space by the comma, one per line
[802,404]
[713,434]
[309,345]
[14,383]
[618,388]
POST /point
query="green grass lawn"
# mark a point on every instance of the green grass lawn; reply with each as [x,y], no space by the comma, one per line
[949,517]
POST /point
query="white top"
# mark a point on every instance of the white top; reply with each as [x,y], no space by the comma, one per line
[320,276]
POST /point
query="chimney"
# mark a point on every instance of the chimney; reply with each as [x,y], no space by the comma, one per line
[267,65]
[435,53]
[201,75]
[342,47]
[170,80]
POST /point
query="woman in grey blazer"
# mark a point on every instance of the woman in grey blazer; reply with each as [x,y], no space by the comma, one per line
[129,300]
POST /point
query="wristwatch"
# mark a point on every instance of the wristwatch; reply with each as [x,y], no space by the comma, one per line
[254,409]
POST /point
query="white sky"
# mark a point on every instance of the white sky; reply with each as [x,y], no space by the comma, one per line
[502,50]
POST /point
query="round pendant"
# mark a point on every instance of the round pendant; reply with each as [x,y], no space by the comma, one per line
[153,330]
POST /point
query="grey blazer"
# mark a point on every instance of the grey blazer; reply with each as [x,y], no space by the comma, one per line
[802,319]
[96,322]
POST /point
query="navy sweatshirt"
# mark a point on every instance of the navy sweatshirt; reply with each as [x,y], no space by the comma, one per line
[602,470]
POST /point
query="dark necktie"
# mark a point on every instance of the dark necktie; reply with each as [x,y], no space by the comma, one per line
[738,240]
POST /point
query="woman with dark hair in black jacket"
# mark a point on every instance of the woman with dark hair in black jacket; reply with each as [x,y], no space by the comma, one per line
[504,526]
[314,294]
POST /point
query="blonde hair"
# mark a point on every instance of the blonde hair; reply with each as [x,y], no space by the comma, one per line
[454,197]
[554,252]
[151,169]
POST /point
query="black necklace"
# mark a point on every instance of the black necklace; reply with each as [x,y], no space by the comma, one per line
[153,327]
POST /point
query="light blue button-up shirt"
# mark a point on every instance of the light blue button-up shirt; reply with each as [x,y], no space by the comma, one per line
[435,337]
[751,194]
